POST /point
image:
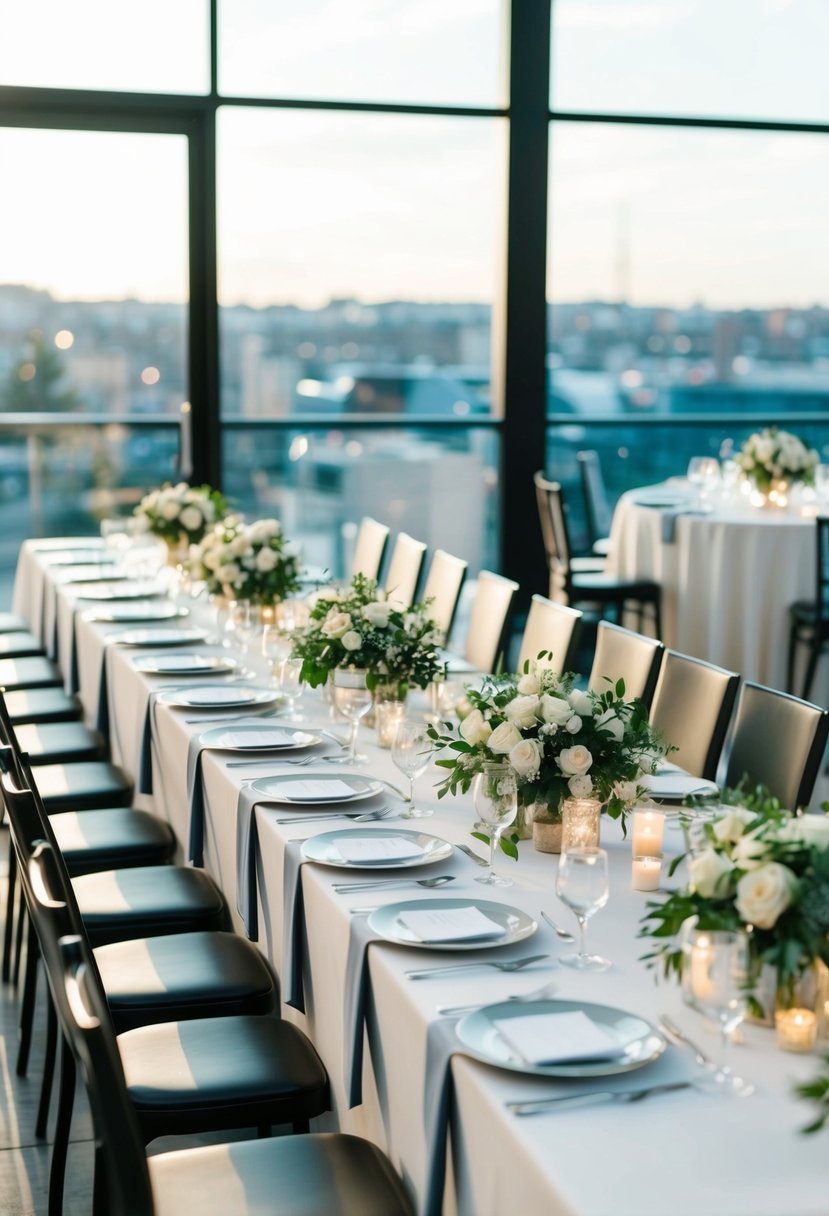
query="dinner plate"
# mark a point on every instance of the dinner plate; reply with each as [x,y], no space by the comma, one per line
[664,500]
[217,696]
[323,849]
[89,574]
[135,612]
[517,924]
[278,789]
[640,1042]
[225,738]
[185,664]
[117,591]
[674,787]
[161,637]
[82,557]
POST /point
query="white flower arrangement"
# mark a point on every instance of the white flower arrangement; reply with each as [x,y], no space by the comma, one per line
[180,514]
[774,455]
[247,561]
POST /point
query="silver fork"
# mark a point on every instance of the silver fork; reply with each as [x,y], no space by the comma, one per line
[515,964]
[680,1038]
[365,817]
[274,759]
[537,994]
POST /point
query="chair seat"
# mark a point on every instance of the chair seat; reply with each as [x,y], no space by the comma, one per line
[608,587]
[587,565]
[10,622]
[87,785]
[601,547]
[19,644]
[184,975]
[116,905]
[35,672]
[805,612]
[41,705]
[59,742]
[320,1175]
[112,838]
[211,1064]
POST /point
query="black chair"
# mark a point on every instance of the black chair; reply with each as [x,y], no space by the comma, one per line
[809,619]
[333,1174]
[597,508]
[777,741]
[692,707]
[622,654]
[41,705]
[552,627]
[583,582]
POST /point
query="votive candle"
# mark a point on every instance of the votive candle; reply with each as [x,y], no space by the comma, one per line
[388,715]
[702,986]
[796,1029]
[648,831]
[646,873]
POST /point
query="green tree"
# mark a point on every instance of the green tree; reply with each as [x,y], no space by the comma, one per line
[37,381]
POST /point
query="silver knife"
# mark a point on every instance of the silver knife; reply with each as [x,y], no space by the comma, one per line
[542,1105]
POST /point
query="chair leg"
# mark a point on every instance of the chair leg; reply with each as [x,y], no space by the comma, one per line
[22,917]
[811,668]
[99,1190]
[42,1124]
[301,1127]
[657,618]
[27,1006]
[8,928]
[790,658]
[60,1146]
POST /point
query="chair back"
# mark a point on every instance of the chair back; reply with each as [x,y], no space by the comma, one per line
[405,565]
[488,620]
[692,707]
[369,548]
[596,503]
[622,654]
[552,514]
[444,582]
[552,627]
[822,567]
[778,741]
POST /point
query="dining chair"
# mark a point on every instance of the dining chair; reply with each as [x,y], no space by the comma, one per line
[583,582]
[369,548]
[622,654]
[692,707]
[405,565]
[597,508]
[809,619]
[777,741]
[444,582]
[487,629]
[338,1174]
[553,628]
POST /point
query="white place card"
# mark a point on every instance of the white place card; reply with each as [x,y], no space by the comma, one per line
[258,738]
[449,924]
[558,1038]
[377,848]
[317,791]
[213,696]
[179,662]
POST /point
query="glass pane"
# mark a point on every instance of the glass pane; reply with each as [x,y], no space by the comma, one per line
[321,482]
[357,262]
[417,51]
[736,58]
[151,47]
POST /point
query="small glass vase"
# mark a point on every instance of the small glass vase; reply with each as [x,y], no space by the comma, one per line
[581,820]
[388,690]
[523,826]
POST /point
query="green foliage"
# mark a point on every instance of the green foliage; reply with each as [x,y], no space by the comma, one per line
[817,1090]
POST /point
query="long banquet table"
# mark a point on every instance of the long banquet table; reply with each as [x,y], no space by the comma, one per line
[684,1152]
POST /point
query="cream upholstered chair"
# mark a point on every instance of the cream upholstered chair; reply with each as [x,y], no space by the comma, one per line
[405,565]
[369,548]
[552,627]
[487,628]
[444,582]
[622,654]
[692,707]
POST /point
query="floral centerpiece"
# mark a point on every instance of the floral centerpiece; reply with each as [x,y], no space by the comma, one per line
[561,742]
[361,627]
[772,455]
[247,561]
[180,515]
[759,870]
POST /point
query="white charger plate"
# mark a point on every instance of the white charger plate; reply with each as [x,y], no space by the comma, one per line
[185,665]
[642,1044]
[117,591]
[517,923]
[143,611]
[323,849]
[277,789]
[218,696]
[221,737]
[161,637]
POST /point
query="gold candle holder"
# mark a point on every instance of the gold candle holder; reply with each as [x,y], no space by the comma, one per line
[580,820]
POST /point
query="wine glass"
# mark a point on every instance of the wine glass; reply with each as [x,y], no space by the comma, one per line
[275,648]
[353,700]
[290,685]
[582,884]
[496,801]
[241,623]
[704,475]
[719,966]
[411,751]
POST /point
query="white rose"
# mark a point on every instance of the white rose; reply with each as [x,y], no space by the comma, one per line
[810,829]
[169,509]
[229,572]
[573,725]
[707,871]
[523,711]
[730,827]
[240,545]
[352,640]
[580,787]
[377,614]
[474,728]
[763,449]
[581,703]
[525,758]
[749,852]
[555,710]
[628,791]
[528,684]
[574,761]
[266,559]
[191,519]
[503,739]
[611,724]
[764,893]
[336,624]
[463,708]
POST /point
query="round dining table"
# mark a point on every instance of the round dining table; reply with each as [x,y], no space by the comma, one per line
[728,571]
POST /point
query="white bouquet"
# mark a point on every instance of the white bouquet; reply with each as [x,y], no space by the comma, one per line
[247,561]
[774,455]
[180,514]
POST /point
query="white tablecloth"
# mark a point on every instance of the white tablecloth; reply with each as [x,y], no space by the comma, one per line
[683,1153]
[727,580]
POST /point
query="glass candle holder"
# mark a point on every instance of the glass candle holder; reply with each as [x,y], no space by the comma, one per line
[796,1029]
[580,819]
[387,716]
[646,872]
[648,832]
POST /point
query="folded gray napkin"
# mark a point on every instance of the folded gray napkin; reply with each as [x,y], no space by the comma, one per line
[355,999]
[145,759]
[293,927]
[438,1094]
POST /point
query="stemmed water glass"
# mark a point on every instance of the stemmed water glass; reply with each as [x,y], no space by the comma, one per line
[582,884]
[290,685]
[704,475]
[496,801]
[411,751]
[719,964]
[353,699]
[275,648]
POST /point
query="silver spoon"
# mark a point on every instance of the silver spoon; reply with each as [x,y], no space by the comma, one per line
[538,994]
[562,933]
[439,880]
[679,1037]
